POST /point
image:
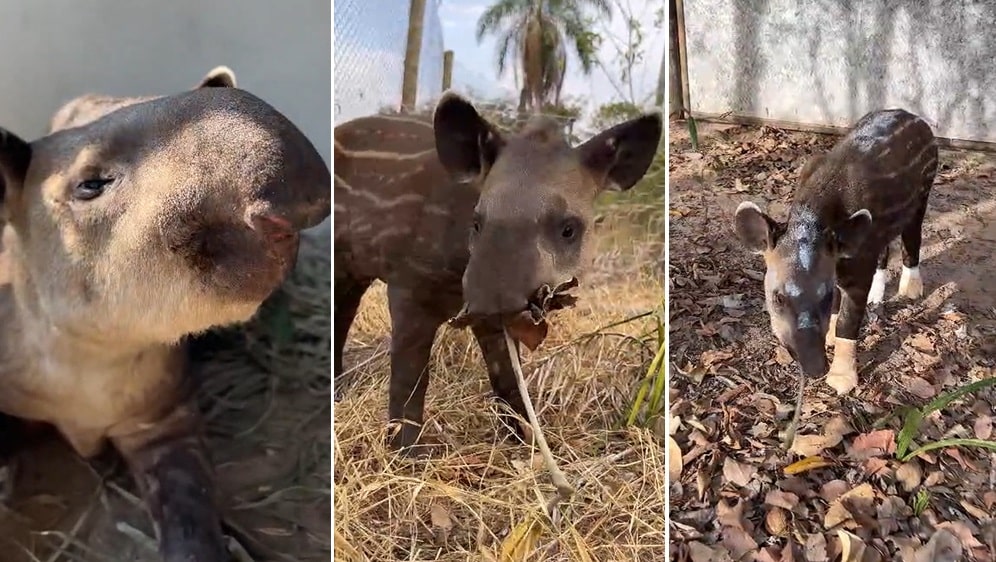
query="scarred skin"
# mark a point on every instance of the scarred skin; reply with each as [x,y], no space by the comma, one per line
[831,255]
[124,232]
[451,212]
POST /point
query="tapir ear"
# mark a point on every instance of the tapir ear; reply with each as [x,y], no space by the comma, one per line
[851,233]
[466,143]
[15,155]
[218,77]
[756,230]
[622,154]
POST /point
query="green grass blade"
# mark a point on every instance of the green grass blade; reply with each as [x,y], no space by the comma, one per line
[944,443]
[945,399]
[693,132]
[910,426]
[641,395]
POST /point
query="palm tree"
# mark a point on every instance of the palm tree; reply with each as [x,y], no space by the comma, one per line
[539,33]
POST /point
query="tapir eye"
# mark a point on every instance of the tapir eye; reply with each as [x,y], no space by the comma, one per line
[779,299]
[90,189]
[570,229]
[476,224]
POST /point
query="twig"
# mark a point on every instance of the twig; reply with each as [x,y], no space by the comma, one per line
[564,488]
[794,424]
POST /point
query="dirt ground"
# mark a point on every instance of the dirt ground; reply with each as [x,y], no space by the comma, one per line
[732,389]
[266,393]
[468,502]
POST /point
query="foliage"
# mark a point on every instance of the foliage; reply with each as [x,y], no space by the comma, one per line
[613,113]
[553,25]
[915,416]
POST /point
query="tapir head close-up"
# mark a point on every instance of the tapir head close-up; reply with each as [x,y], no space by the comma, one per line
[800,258]
[532,225]
[161,218]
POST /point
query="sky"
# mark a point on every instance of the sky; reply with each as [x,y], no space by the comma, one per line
[369,45]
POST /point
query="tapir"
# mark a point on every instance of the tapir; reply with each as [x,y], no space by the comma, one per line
[828,262]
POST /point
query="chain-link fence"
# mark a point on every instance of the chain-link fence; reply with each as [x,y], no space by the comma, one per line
[370,41]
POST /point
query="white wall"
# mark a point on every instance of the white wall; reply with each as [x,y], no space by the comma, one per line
[54,50]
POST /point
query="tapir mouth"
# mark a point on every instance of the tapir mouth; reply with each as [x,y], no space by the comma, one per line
[544,300]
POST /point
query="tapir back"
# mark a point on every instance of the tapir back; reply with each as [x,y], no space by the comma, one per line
[398,213]
[885,164]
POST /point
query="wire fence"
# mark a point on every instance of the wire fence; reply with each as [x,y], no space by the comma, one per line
[370,42]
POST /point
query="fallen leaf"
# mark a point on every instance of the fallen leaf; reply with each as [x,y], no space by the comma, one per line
[442,520]
[816,548]
[989,498]
[784,500]
[838,514]
[975,511]
[811,445]
[738,473]
[963,532]
[808,463]
[699,552]
[852,547]
[521,541]
[934,478]
[776,522]
[922,342]
[674,464]
[738,542]
[909,475]
[874,444]
[730,515]
[876,467]
[920,387]
[943,546]
[983,427]
[833,490]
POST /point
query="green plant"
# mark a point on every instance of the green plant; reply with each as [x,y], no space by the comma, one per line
[920,502]
[613,113]
[651,389]
[915,416]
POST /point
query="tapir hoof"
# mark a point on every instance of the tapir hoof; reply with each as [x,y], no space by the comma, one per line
[843,375]
[910,283]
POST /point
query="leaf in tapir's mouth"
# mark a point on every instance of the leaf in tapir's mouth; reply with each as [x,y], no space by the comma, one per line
[530,326]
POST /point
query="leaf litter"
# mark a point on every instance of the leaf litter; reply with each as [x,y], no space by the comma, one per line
[840,493]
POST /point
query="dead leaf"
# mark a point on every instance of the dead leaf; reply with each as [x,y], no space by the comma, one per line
[833,434]
[674,464]
[874,444]
[833,490]
[838,514]
[731,515]
[738,473]
[920,387]
[442,520]
[523,330]
[922,342]
[782,356]
[712,357]
[983,427]
[699,552]
[852,547]
[934,478]
[909,475]
[521,541]
[963,532]
[738,542]
[876,467]
[776,522]
[816,548]
[808,463]
[943,546]
[784,500]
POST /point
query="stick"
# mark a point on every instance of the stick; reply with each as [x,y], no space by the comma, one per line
[794,424]
[564,488]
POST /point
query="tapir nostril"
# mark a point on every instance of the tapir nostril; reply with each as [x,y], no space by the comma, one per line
[272,227]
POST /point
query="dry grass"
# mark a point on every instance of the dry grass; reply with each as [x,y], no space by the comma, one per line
[463,503]
[266,392]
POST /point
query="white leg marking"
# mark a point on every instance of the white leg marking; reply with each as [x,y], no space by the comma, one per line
[910,284]
[843,375]
[832,330]
[877,291]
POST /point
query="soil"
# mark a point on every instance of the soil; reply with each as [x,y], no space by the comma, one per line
[733,388]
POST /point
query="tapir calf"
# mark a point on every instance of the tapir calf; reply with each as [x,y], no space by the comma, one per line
[122,234]
[453,213]
[828,262]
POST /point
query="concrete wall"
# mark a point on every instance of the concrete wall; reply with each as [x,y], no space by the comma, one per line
[827,62]
[54,50]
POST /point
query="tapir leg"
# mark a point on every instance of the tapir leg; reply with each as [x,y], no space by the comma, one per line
[11,439]
[910,284]
[349,292]
[491,338]
[877,292]
[413,329]
[843,375]
[170,463]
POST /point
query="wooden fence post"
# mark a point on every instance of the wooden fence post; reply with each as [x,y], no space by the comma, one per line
[413,49]
[447,70]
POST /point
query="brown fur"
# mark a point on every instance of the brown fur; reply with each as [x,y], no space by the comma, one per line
[98,293]
[89,107]
[407,197]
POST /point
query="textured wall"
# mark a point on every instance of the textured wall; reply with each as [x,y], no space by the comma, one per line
[54,50]
[828,62]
